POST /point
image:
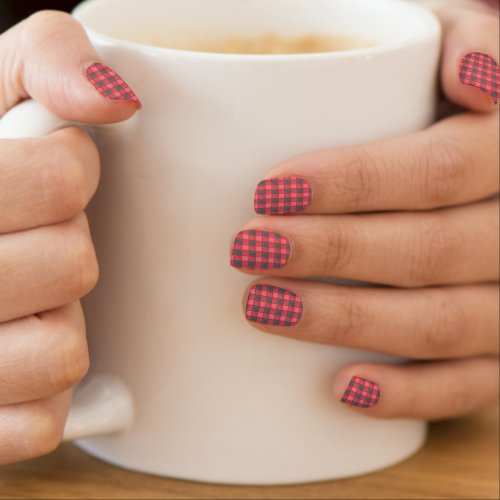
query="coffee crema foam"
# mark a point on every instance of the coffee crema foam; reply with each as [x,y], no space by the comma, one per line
[268,43]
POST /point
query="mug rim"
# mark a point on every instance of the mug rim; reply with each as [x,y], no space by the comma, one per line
[433,30]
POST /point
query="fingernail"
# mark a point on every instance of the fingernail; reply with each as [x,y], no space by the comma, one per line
[255,249]
[271,305]
[282,195]
[481,71]
[110,84]
[361,392]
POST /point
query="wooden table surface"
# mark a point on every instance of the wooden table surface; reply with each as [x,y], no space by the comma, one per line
[460,460]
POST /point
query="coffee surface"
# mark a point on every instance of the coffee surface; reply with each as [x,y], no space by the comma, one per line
[268,43]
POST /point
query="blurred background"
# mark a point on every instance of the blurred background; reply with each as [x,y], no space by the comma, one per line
[13,11]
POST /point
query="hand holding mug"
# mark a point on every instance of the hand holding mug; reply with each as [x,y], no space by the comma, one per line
[419,214]
[410,212]
[47,259]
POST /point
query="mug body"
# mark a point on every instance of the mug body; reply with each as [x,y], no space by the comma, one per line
[214,399]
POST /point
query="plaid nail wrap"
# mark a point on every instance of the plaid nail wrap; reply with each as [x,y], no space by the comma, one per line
[271,305]
[255,249]
[110,84]
[481,71]
[282,195]
[361,392]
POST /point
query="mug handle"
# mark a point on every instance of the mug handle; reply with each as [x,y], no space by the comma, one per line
[102,404]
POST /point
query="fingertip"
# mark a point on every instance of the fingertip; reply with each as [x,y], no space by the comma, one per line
[469,85]
[102,97]
[62,70]
[355,387]
[282,195]
[110,85]
[101,112]
[470,98]
[94,109]
[479,77]
[470,73]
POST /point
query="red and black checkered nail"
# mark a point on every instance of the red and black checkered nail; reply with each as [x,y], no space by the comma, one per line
[481,71]
[257,250]
[282,195]
[110,84]
[361,392]
[271,305]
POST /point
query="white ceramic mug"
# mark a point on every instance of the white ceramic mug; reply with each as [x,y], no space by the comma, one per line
[191,390]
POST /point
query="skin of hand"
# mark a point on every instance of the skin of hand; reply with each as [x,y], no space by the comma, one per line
[416,216]
[47,260]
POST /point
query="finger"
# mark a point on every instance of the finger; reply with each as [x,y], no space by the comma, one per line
[448,246]
[429,323]
[48,180]
[470,74]
[32,429]
[49,57]
[45,268]
[453,162]
[42,355]
[429,391]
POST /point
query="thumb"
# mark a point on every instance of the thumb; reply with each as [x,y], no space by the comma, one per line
[470,73]
[49,58]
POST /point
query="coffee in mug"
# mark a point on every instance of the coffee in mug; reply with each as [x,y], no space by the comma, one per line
[266,43]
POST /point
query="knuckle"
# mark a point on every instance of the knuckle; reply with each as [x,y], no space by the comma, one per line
[444,169]
[435,245]
[81,270]
[348,323]
[335,248]
[457,399]
[47,16]
[44,433]
[355,178]
[40,23]
[65,184]
[443,331]
[70,358]
[39,29]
